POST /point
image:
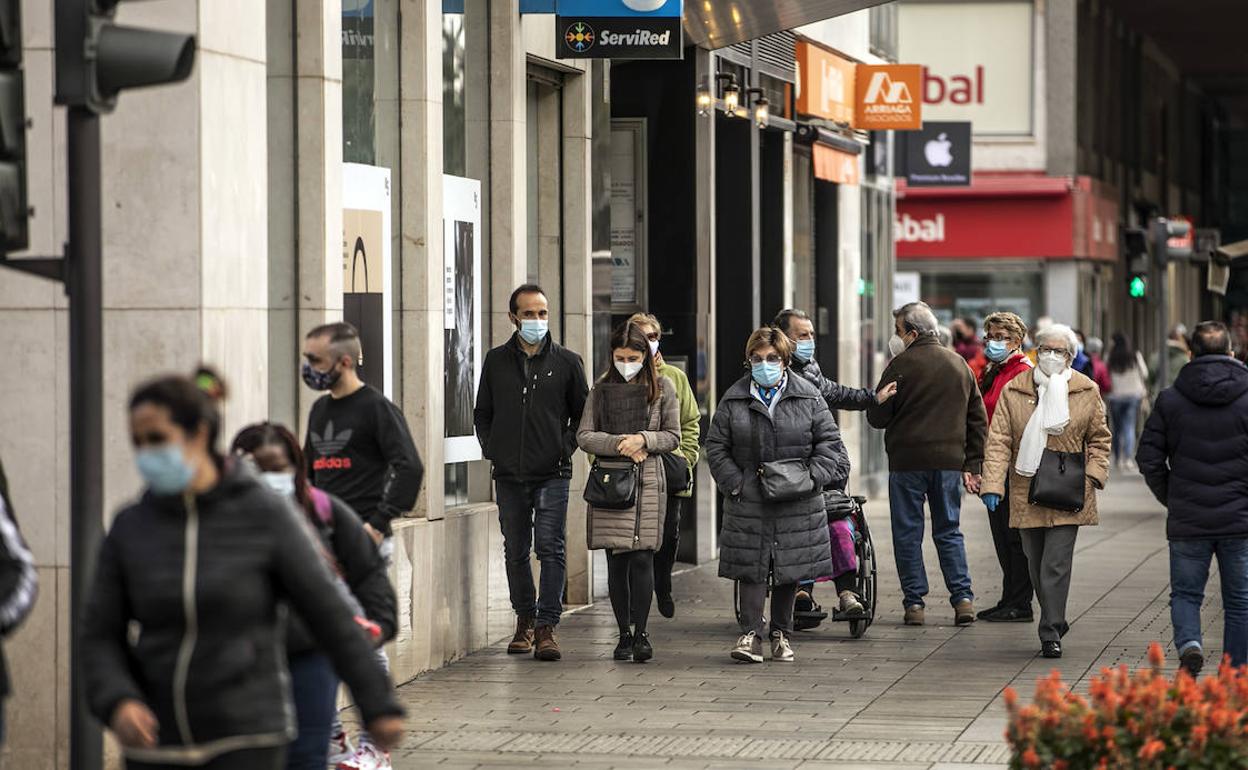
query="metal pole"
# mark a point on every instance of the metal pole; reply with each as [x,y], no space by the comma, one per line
[86,420]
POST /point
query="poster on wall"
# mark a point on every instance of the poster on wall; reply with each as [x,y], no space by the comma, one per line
[461,316]
[366,283]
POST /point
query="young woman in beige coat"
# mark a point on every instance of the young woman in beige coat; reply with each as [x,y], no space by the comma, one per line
[1057,408]
[632,413]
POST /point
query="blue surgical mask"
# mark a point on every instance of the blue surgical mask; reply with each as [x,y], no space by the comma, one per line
[534,331]
[996,350]
[164,469]
[1078,350]
[318,380]
[281,483]
[804,350]
[766,374]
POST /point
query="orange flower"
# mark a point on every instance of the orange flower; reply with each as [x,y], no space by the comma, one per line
[1011,698]
[1031,758]
[1152,749]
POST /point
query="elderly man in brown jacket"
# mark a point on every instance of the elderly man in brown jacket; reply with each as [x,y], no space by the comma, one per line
[1052,409]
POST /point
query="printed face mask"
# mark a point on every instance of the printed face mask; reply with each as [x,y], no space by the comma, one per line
[628,369]
[318,380]
[164,469]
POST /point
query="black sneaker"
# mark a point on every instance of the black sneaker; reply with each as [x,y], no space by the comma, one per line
[983,614]
[1009,615]
[624,650]
[1192,661]
[1051,649]
[642,650]
[667,607]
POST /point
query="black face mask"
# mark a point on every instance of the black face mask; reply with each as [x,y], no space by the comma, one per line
[318,380]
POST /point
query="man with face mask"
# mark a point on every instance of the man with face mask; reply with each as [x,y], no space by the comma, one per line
[934,431]
[528,407]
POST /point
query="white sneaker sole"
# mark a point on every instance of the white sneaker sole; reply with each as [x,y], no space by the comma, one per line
[746,657]
[788,659]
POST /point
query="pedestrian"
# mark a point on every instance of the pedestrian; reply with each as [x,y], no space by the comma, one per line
[19,586]
[1130,388]
[966,344]
[1176,355]
[773,447]
[359,574]
[800,330]
[679,495]
[1100,369]
[201,565]
[631,418]
[934,435]
[359,449]
[1194,456]
[1043,422]
[529,403]
[1003,336]
[1082,362]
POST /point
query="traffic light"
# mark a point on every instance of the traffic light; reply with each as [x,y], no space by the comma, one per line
[97,59]
[1137,286]
[1172,239]
[14,213]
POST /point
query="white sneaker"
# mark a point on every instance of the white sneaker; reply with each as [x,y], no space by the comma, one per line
[340,748]
[781,652]
[367,757]
[749,648]
[850,606]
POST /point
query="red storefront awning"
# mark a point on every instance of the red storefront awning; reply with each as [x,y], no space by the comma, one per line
[1008,216]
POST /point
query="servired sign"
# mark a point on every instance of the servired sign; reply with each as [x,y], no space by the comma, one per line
[889,96]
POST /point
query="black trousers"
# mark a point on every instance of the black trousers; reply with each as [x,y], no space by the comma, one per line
[1016,590]
[665,557]
[630,584]
[247,759]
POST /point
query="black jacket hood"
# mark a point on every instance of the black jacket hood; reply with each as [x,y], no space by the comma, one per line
[1212,380]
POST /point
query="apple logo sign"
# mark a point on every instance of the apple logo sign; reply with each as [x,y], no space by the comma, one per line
[937,150]
[645,6]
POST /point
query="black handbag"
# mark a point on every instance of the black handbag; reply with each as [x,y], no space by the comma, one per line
[612,485]
[838,504]
[1060,481]
[676,469]
[780,481]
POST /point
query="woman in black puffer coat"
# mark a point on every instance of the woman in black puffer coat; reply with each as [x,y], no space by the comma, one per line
[766,416]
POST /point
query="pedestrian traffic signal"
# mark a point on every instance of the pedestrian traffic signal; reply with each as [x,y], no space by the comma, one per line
[1137,286]
[97,59]
[14,213]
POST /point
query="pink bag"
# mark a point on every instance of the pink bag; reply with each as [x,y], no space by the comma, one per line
[844,557]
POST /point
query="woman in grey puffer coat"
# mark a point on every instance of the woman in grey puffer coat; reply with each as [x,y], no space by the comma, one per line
[766,416]
[632,414]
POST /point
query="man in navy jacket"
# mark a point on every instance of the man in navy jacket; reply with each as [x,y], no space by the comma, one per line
[1194,456]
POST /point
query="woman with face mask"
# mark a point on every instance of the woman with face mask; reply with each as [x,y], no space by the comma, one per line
[1052,417]
[773,448]
[360,577]
[632,415]
[1003,343]
[183,634]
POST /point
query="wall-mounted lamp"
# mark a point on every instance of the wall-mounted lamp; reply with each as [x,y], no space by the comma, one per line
[762,108]
[704,100]
[732,95]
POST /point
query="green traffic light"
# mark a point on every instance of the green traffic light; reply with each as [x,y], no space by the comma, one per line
[1137,286]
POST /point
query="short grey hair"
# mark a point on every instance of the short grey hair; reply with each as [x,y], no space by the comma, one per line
[1059,333]
[917,317]
[1094,346]
[944,335]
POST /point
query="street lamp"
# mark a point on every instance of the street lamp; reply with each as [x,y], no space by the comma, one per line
[704,100]
[732,95]
[762,108]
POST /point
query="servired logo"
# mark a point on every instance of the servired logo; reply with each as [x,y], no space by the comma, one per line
[907,229]
[886,97]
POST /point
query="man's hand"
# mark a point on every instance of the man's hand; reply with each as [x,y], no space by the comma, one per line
[135,725]
[374,534]
[886,392]
[972,481]
[631,445]
[386,732]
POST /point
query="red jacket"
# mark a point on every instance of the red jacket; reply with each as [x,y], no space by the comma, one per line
[1100,373]
[996,377]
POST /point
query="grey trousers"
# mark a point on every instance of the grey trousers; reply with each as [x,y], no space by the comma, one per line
[1050,551]
[753,597]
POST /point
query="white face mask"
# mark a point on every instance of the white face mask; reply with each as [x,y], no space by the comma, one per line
[896,345]
[654,347]
[628,370]
[281,483]
[1051,363]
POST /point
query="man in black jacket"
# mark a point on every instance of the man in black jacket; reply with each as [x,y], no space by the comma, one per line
[529,404]
[1194,456]
[18,584]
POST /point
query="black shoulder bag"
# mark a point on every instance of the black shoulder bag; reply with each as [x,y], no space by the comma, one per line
[1060,481]
[781,480]
[612,482]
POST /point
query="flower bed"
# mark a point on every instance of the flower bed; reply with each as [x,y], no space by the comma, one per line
[1140,720]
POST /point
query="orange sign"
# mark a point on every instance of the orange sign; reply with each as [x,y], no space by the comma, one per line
[889,96]
[833,165]
[825,84]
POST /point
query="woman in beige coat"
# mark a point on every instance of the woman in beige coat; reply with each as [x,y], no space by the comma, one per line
[1052,407]
[632,415]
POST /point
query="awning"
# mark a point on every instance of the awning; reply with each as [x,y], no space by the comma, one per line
[718,23]
[833,165]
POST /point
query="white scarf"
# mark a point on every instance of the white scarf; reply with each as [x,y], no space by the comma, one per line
[1050,418]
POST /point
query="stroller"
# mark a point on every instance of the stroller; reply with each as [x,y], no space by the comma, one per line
[841,506]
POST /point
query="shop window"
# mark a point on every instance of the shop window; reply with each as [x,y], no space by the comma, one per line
[628,207]
[544,126]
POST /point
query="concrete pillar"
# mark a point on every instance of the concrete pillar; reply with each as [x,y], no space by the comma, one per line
[704,174]
[1059,20]
[508,206]
[848,315]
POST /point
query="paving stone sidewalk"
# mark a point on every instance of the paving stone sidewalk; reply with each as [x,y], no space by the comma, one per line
[899,697]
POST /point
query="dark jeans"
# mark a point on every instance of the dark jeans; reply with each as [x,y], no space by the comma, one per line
[533,515]
[665,557]
[314,688]
[1189,571]
[1016,590]
[248,759]
[630,584]
[1123,413]
[753,597]
[1050,556]
[943,492]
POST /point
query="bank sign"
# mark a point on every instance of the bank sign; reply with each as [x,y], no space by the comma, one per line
[619,29]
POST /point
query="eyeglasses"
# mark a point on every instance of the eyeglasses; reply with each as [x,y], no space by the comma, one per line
[771,359]
[1055,351]
[653,336]
[997,337]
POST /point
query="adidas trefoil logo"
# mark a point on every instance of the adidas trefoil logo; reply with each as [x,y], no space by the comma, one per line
[331,443]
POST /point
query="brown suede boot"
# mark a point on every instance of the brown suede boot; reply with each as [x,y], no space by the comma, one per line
[522,642]
[545,646]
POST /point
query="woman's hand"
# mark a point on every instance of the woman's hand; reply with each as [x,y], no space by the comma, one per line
[886,392]
[631,445]
[135,725]
[386,732]
[639,457]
